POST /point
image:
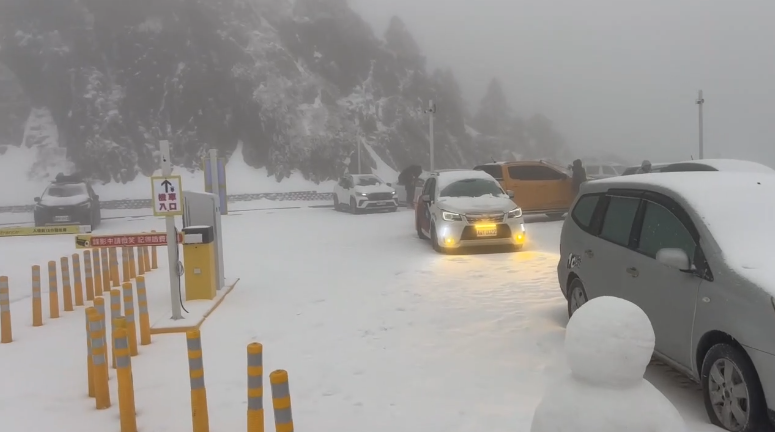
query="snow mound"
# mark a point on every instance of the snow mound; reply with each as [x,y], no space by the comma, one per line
[612,332]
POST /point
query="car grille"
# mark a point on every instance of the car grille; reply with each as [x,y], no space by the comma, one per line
[485,218]
[379,196]
[469,233]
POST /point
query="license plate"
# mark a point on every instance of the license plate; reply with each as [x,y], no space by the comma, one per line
[61,218]
[487,231]
[382,203]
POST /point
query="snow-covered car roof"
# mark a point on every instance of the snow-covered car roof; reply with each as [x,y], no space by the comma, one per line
[739,218]
[734,165]
[450,176]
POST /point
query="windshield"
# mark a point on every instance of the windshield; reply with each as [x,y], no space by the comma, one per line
[66,190]
[472,188]
[368,181]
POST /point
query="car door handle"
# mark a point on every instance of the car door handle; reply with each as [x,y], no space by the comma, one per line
[632,271]
[589,253]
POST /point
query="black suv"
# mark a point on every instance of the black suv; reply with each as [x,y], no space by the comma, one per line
[68,200]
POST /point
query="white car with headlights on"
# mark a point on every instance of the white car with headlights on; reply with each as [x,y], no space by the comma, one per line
[463,208]
[364,192]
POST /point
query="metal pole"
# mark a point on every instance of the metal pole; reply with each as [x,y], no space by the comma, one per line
[172,238]
[359,156]
[432,110]
[214,173]
[700,102]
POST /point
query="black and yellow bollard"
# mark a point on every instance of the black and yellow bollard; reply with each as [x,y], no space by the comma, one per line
[140,261]
[255,388]
[105,269]
[129,316]
[89,281]
[154,258]
[99,305]
[115,312]
[125,264]
[99,360]
[147,258]
[126,390]
[281,401]
[143,317]
[6,334]
[77,286]
[115,280]
[200,418]
[37,301]
[53,295]
[67,291]
[89,362]
[97,273]
[132,263]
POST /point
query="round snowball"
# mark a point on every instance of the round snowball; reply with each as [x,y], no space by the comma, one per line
[609,342]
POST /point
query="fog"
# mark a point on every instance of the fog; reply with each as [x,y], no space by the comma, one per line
[614,75]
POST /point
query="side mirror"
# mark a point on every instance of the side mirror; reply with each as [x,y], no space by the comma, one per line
[37,199]
[510,194]
[96,196]
[674,258]
[425,198]
[389,184]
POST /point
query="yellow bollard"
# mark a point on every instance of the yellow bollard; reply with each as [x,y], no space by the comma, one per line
[105,269]
[67,292]
[99,361]
[200,418]
[115,313]
[154,258]
[89,362]
[53,295]
[114,277]
[37,307]
[89,275]
[132,268]
[142,305]
[6,335]
[129,315]
[140,261]
[99,305]
[126,390]
[255,388]
[97,273]
[77,279]
[125,263]
[281,401]
[146,259]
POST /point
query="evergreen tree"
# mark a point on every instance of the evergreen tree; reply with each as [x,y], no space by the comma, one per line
[494,113]
[402,44]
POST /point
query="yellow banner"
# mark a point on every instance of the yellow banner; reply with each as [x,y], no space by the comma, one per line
[51,230]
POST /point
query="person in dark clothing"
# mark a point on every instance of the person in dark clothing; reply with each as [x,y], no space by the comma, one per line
[408,177]
[579,175]
[645,167]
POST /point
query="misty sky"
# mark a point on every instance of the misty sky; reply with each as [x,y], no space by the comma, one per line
[613,74]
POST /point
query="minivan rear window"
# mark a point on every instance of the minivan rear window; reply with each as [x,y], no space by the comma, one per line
[585,208]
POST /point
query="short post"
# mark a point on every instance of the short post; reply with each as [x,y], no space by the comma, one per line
[147,258]
[154,259]
[89,276]
[125,263]
[97,273]
[129,316]
[77,286]
[99,304]
[281,401]
[255,388]
[67,292]
[115,312]
[126,390]
[114,276]
[105,269]
[140,261]
[132,267]
[89,361]
[6,334]
[142,305]
[37,307]
[100,364]
[199,415]
[53,295]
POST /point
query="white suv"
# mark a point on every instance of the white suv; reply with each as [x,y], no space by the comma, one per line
[362,193]
[462,208]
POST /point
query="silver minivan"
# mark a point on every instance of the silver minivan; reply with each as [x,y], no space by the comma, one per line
[695,252]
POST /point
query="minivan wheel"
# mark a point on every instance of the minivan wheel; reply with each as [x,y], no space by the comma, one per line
[577,296]
[733,395]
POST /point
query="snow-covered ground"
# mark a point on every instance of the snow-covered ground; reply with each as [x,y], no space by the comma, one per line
[376,330]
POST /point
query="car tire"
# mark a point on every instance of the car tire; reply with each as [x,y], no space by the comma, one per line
[353,206]
[743,378]
[394,209]
[577,296]
[336,203]
[555,216]
[435,240]
[419,230]
[517,248]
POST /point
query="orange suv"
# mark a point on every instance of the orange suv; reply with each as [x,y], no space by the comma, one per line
[538,186]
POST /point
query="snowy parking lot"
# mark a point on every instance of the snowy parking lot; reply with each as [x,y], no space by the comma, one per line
[377,331]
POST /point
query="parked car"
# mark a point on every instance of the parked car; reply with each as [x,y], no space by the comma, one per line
[539,187]
[733,165]
[700,268]
[598,171]
[463,208]
[68,200]
[361,193]
[655,168]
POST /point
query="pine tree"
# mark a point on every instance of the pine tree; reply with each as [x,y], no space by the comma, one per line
[494,115]
[402,44]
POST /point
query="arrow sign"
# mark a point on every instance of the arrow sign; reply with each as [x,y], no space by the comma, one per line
[166,192]
[167,186]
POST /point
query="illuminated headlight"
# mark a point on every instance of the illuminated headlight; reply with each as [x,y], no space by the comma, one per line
[84,204]
[361,194]
[517,212]
[393,193]
[449,216]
